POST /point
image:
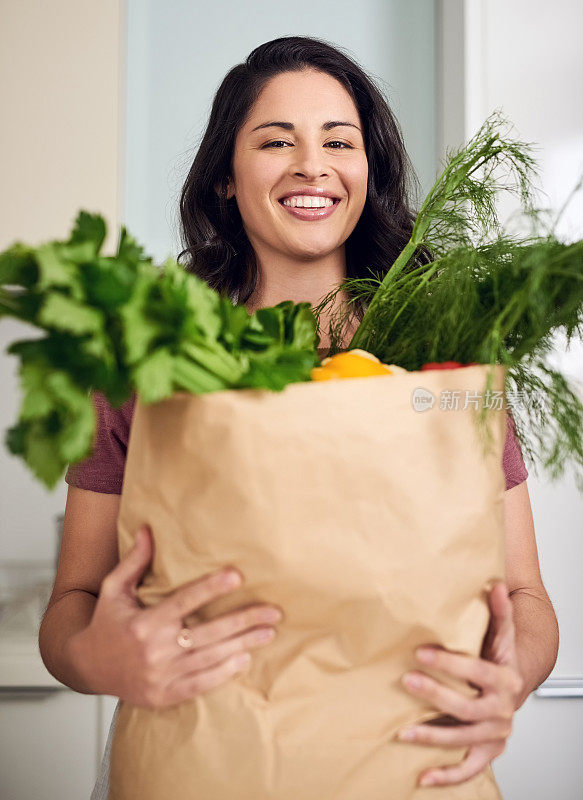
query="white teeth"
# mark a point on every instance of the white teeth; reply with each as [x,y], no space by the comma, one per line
[306,201]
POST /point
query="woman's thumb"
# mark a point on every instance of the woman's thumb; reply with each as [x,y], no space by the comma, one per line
[133,565]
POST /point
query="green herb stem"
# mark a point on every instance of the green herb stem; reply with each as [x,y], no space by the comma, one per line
[360,337]
[193,378]
[214,359]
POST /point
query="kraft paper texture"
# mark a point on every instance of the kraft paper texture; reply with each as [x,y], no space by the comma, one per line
[376,527]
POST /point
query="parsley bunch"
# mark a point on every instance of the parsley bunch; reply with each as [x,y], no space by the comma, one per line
[120,324]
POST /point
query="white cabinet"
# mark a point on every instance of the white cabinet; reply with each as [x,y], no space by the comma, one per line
[48,743]
[51,738]
[542,760]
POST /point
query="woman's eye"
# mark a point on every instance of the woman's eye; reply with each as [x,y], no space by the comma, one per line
[280,141]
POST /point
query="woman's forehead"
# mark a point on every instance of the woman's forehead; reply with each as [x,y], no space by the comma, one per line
[300,99]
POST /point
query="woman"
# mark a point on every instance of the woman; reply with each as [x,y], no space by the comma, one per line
[297,119]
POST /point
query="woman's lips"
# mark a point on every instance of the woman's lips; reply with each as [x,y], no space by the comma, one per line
[310,214]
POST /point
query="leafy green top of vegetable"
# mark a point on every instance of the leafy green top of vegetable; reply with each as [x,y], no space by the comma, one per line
[120,324]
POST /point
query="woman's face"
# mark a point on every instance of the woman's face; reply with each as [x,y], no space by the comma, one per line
[309,152]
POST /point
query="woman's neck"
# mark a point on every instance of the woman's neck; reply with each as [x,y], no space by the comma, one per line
[287,277]
[303,281]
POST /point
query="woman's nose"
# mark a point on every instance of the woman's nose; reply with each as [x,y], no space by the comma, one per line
[310,162]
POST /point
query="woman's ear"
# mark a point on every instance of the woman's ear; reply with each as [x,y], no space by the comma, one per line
[224,188]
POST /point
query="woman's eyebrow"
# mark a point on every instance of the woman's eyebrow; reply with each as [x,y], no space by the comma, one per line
[289,126]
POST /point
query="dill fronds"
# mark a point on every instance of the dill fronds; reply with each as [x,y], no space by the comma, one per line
[486,296]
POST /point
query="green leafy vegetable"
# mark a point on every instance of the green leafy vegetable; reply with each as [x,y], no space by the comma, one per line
[120,324]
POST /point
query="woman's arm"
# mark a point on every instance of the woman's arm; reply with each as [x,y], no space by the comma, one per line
[536,626]
[88,552]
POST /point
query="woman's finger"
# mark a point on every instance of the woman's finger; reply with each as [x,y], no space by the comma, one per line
[127,573]
[451,701]
[461,735]
[207,657]
[483,674]
[233,623]
[186,599]
[477,758]
[188,686]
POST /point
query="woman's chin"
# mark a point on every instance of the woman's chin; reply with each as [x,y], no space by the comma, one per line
[311,249]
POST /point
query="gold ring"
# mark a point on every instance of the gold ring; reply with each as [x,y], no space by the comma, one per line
[184,638]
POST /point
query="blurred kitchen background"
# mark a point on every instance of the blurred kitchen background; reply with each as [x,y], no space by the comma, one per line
[104,105]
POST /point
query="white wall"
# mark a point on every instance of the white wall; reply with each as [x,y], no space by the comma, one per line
[59,151]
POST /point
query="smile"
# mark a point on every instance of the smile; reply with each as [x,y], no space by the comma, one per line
[308,214]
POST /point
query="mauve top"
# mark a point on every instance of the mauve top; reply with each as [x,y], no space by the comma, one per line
[103,470]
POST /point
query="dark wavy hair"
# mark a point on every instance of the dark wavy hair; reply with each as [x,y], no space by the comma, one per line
[216,247]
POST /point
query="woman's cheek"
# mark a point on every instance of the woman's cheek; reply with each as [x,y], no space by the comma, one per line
[356,177]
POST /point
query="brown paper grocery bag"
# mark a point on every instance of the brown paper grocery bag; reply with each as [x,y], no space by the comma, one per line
[374,518]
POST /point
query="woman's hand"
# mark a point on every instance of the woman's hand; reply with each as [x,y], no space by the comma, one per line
[486,720]
[132,652]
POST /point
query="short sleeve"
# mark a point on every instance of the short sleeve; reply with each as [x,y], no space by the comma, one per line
[103,470]
[513,464]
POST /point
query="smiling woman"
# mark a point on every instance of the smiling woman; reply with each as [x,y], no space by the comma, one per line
[297,124]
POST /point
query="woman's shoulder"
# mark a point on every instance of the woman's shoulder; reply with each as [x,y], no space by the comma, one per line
[103,469]
[109,414]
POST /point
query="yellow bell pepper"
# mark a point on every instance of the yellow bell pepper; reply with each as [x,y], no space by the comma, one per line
[352,364]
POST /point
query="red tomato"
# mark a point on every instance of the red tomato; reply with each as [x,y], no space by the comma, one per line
[447,365]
